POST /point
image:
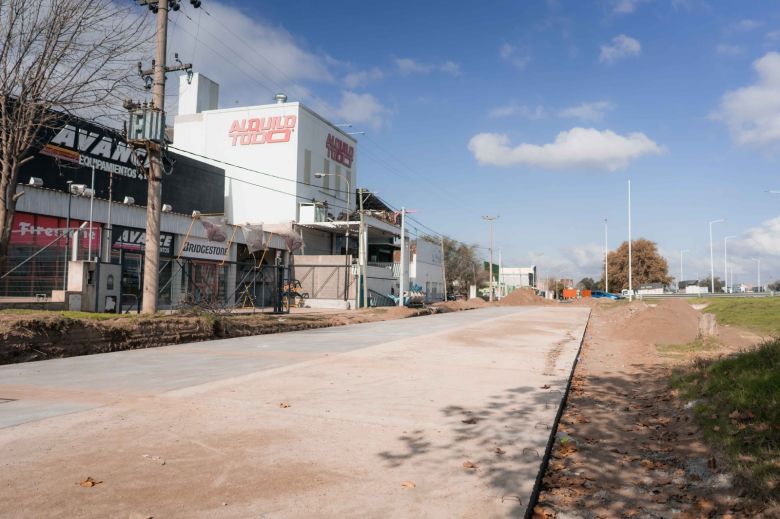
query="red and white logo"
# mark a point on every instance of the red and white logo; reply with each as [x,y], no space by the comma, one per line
[340,151]
[262,130]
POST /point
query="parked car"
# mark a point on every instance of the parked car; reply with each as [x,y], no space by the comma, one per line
[600,294]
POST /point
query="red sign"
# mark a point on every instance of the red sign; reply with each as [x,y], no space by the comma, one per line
[38,230]
[262,130]
[340,151]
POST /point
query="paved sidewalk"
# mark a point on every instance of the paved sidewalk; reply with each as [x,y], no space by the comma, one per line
[197,430]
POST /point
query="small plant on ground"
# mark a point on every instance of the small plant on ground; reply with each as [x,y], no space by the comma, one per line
[738,405]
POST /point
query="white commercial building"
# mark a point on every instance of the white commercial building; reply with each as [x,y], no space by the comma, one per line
[284,163]
[270,154]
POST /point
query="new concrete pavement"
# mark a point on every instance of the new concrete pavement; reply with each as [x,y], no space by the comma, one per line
[370,420]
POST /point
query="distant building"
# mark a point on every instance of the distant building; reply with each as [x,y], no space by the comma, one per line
[650,289]
[518,277]
[696,289]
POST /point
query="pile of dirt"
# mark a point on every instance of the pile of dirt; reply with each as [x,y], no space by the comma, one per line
[523,297]
[464,304]
[669,322]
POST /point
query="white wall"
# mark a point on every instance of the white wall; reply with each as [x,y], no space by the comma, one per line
[426,269]
[280,153]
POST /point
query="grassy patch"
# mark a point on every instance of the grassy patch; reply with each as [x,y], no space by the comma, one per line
[761,314]
[738,405]
[708,344]
[65,314]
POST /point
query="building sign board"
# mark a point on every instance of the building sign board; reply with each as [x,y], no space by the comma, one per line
[96,147]
[262,130]
[340,151]
[201,248]
[134,240]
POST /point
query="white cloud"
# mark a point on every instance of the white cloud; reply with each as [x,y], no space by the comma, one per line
[450,67]
[729,50]
[578,148]
[410,66]
[360,109]
[752,113]
[588,111]
[516,110]
[407,66]
[363,77]
[277,58]
[517,58]
[748,25]
[773,35]
[626,6]
[764,239]
[622,46]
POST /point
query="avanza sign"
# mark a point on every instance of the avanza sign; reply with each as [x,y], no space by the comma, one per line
[340,151]
[262,130]
[134,240]
[96,148]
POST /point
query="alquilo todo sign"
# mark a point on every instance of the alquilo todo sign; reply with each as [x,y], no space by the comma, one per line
[262,130]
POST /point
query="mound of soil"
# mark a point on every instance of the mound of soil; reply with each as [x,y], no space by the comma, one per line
[669,322]
[523,297]
[464,304]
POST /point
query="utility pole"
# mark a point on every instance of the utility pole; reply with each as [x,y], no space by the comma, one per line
[402,267]
[443,268]
[363,253]
[155,144]
[489,220]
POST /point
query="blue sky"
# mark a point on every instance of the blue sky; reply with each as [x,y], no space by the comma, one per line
[535,110]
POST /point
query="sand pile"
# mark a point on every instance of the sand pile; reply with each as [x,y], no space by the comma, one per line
[670,322]
[463,304]
[523,297]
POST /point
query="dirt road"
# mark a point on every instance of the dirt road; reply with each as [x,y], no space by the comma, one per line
[631,447]
[439,416]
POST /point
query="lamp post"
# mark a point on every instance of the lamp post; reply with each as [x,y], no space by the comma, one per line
[712,257]
[606,258]
[726,262]
[69,183]
[758,273]
[630,265]
[320,174]
[681,268]
[489,220]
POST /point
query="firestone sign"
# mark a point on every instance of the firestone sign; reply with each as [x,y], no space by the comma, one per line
[262,130]
[340,151]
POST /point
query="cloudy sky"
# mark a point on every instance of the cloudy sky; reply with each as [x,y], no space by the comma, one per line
[538,111]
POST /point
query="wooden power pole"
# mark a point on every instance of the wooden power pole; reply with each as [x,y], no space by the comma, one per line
[155,148]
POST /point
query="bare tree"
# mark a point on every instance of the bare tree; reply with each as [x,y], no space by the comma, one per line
[58,57]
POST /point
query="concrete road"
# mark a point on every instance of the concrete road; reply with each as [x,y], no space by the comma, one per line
[325,423]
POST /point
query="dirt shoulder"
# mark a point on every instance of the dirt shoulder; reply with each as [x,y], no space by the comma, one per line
[47,335]
[627,445]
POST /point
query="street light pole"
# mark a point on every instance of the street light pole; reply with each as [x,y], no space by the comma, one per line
[606,258]
[758,273]
[630,265]
[712,257]
[489,220]
[681,268]
[67,239]
[726,262]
